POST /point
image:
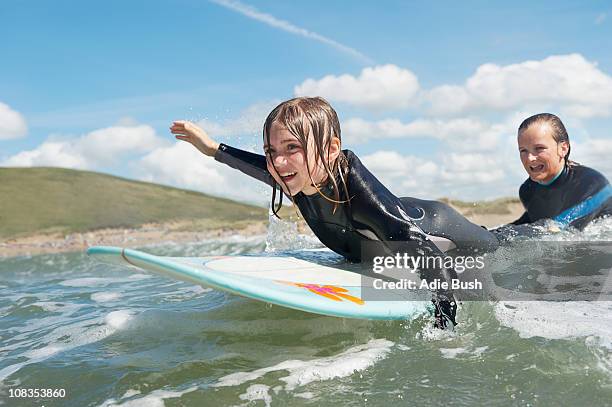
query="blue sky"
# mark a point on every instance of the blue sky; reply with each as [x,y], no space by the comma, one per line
[429,95]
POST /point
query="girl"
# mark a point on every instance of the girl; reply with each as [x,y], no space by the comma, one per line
[557,188]
[342,202]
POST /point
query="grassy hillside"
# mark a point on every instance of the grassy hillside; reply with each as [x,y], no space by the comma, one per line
[47,200]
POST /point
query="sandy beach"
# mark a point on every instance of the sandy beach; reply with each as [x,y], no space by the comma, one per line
[181,232]
[124,237]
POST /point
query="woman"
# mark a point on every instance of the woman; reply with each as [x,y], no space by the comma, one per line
[558,188]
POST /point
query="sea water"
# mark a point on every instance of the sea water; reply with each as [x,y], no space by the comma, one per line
[105,335]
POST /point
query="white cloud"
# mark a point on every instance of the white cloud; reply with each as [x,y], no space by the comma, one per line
[151,158]
[601,18]
[464,133]
[181,165]
[471,168]
[456,175]
[105,146]
[400,173]
[380,87]
[49,153]
[268,19]
[571,82]
[12,123]
[97,148]
[595,153]
[403,175]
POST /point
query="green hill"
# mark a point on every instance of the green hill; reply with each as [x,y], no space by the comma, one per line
[49,200]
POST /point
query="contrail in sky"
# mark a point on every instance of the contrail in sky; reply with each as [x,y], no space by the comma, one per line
[252,12]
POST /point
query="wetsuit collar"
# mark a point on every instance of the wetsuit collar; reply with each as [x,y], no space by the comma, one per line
[554,179]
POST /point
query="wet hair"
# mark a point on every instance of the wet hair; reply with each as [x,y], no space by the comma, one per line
[304,116]
[559,133]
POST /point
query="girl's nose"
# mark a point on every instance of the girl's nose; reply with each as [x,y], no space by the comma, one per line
[279,159]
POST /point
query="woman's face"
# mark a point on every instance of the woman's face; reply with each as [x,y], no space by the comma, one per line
[541,155]
[289,159]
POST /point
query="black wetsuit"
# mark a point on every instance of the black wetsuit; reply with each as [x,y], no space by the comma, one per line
[374,213]
[578,195]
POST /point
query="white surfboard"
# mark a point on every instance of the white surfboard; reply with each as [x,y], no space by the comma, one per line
[282,280]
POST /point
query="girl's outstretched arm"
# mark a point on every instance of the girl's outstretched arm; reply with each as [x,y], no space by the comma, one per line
[191,133]
[249,163]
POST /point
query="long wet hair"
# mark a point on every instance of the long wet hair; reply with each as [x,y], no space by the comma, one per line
[559,133]
[312,116]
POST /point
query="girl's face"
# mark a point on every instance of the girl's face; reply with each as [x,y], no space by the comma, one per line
[541,155]
[289,159]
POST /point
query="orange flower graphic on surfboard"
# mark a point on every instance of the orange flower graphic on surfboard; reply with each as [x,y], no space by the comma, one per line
[328,291]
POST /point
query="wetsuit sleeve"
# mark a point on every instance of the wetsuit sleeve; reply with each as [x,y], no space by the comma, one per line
[595,198]
[522,220]
[249,163]
[524,197]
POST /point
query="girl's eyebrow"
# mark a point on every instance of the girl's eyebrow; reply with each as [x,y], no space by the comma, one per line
[287,140]
[535,145]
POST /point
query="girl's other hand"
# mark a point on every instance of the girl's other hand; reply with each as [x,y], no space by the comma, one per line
[191,133]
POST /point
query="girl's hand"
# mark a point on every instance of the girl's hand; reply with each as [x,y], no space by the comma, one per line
[189,132]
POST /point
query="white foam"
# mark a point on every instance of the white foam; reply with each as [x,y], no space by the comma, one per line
[198,289]
[563,320]
[139,276]
[431,333]
[153,399]
[558,320]
[101,281]
[90,282]
[50,306]
[43,353]
[118,319]
[257,392]
[344,364]
[284,235]
[34,327]
[66,337]
[183,293]
[105,296]
[451,353]
[130,393]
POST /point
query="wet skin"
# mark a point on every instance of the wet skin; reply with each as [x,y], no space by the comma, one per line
[541,155]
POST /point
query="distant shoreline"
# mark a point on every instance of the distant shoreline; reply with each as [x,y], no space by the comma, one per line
[148,234]
[488,214]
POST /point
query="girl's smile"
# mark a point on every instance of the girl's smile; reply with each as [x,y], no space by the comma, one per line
[541,155]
